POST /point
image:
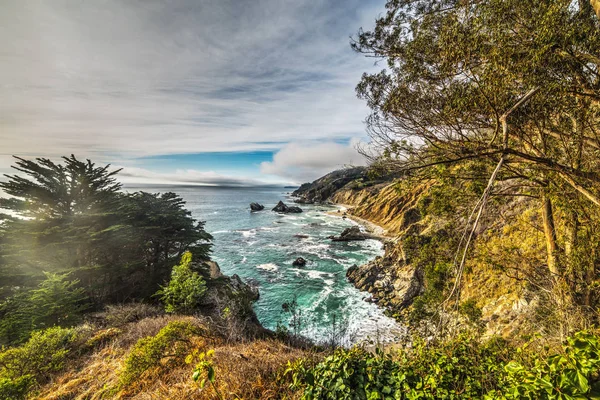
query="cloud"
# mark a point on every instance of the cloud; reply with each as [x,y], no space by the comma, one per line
[132,175]
[305,162]
[124,79]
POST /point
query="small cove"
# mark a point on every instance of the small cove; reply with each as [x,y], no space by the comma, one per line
[260,247]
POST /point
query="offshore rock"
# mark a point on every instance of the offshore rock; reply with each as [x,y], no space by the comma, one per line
[282,208]
[299,262]
[256,207]
[350,234]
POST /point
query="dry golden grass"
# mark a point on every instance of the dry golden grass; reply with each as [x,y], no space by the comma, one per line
[245,370]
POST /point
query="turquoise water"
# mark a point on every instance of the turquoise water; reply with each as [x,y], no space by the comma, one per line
[260,247]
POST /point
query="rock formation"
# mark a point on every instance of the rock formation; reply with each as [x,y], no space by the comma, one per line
[256,207]
[350,234]
[284,209]
[299,262]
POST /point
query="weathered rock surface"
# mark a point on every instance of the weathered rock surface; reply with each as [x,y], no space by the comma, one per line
[256,207]
[393,283]
[281,207]
[229,292]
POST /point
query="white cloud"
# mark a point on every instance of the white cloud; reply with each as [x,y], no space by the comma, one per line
[133,175]
[303,163]
[123,79]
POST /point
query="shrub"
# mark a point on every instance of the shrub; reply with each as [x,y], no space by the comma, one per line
[149,352]
[461,368]
[185,290]
[16,389]
[470,310]
[574,374]
[57,301]
[44,352]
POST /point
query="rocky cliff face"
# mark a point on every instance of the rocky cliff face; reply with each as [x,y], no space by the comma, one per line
[323,188]
[229,296]
[398,278]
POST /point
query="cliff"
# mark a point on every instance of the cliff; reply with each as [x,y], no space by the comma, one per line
[425,221]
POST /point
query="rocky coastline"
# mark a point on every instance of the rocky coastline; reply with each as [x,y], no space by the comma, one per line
[392,282]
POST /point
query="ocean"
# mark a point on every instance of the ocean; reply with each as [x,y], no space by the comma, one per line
[261,246]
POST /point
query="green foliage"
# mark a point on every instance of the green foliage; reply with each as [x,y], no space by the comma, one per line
[470,309]
[44,353]
[56,301]
[204,364]
[75,220]
[185,290]
[574,374]
[462,368]
[169,344]
[16,389]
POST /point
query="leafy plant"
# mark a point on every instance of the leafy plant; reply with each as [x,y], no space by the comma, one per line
[185,290]
[33,362]
[574,374]
[204,364]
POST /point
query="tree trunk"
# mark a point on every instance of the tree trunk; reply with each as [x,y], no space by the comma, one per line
[550,234]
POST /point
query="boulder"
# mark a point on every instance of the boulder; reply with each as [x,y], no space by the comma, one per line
[299,262]
[282,208]
[256,207]
[349,234]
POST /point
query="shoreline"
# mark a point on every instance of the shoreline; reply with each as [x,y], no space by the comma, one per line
[377,231]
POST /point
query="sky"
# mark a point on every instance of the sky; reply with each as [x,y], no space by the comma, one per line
[217,92]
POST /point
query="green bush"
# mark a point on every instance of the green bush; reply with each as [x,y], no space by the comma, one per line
[45,352]
[169,343]
[574,374]
[57,301]
[16,389]
[470,310]
[33,362]
[462,368]
[185,290]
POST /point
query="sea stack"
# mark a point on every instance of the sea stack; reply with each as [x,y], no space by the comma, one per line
[282,208]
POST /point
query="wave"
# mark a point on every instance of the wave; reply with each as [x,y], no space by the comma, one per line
[247,232]
[270,267]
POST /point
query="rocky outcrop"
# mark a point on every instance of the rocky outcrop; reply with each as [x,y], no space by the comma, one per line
[299,262]
[323,188]
[229,292]
[393,283]
[256,207]
[281,207]
[350,234]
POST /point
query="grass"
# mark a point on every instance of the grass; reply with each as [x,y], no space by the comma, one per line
[244,369]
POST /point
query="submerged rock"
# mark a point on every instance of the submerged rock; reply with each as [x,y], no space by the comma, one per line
[256,207]
[299,262]
[282,208]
